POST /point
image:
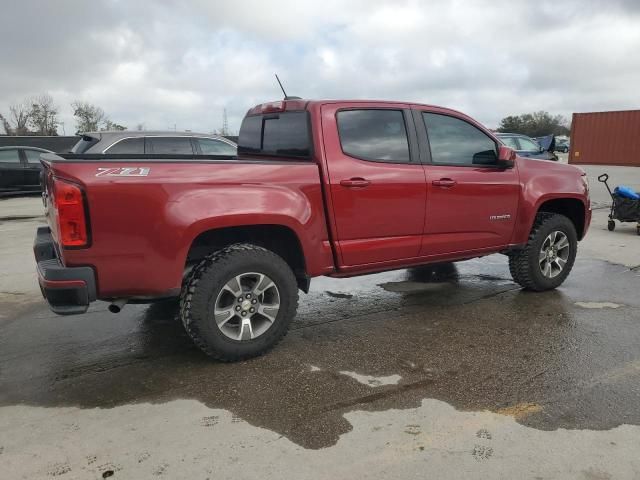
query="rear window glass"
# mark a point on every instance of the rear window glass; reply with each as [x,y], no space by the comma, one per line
[509,142]
[128,145]
[84,144]
[210,146]
[283,134]
[169,145]
[528,145]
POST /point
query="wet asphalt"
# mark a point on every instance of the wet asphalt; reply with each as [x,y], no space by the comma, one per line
[461,333]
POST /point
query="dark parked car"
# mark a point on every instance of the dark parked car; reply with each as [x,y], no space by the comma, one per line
[20,169]
[167,143]
[527,146]
[562,146]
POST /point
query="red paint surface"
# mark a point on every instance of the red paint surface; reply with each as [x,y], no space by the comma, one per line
[606,138]
[142,227]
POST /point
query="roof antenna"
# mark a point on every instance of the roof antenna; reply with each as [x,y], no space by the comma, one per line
[286,97]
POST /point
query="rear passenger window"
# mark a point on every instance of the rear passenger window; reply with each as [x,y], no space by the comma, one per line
[456,142]
[33,156]
[210,146]
[133,146]
[378,135]
[9,156]
[169,145]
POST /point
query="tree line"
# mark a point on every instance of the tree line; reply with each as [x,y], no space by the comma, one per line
[38,115]
[536,124]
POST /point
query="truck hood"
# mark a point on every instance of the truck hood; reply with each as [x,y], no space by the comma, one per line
[545,166]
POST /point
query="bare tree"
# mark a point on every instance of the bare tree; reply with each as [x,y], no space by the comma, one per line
[19,117]
[43,115]
[17,123]
[109,125]
[89,117]
[6,125]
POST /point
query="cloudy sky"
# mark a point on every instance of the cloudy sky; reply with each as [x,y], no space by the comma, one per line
[166,63]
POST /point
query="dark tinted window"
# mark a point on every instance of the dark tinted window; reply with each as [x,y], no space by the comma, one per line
[169,145]
[284,134]
[250,136]
[9,156]
[33,156]
[457,142]
[128,145]
[374,135]
[209,146]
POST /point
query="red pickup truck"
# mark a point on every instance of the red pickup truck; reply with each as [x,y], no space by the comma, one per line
[338,188]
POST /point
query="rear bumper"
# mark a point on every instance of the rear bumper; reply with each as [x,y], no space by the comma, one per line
[67,290]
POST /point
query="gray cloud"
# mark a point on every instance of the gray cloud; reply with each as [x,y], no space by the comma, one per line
[170,62]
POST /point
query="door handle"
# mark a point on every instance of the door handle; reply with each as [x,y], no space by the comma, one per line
[444,183]
[356,182]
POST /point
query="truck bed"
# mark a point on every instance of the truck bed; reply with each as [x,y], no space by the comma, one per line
[147,210]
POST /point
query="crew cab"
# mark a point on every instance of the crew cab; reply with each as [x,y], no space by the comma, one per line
[337,188]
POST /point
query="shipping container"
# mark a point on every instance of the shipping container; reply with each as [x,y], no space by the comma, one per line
[606,138]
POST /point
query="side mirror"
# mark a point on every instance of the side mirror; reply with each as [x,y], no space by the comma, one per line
[506,157]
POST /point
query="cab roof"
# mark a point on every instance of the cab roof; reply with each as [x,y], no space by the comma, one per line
[305,104]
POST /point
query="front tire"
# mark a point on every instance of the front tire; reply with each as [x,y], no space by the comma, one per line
[238,303]
[548,257]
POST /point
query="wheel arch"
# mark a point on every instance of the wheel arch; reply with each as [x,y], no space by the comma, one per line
[280,239]
[572,208]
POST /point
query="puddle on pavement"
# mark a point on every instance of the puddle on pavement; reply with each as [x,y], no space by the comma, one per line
[432,440]
[520,411]
[478,345]
[372,381]
[598,305]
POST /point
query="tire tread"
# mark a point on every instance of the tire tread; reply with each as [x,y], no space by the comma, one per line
[218,259]
[520,261]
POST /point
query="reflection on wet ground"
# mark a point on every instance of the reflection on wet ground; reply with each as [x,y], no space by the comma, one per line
[463,334]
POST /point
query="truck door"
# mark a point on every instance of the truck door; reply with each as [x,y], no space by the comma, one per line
[11,169]
[376,182]
[471,202]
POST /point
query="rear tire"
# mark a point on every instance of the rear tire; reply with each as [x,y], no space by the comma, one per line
[238,302]
[548,257]
[611,225]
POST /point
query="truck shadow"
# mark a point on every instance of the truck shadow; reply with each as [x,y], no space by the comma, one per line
[474,342]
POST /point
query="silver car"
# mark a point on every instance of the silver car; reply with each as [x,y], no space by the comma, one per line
[157,143]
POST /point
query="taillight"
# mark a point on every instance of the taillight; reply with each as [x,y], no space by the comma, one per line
[70,213]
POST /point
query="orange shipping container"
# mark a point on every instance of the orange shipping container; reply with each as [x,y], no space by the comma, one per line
[606,138]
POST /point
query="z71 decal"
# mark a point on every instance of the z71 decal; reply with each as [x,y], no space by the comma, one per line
[123,172]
